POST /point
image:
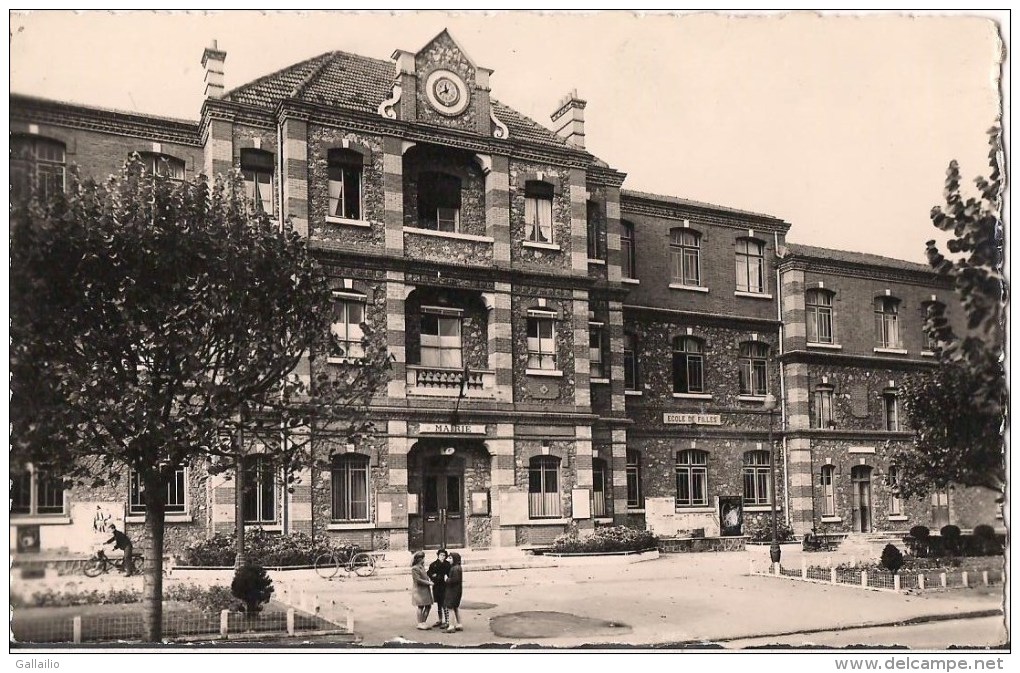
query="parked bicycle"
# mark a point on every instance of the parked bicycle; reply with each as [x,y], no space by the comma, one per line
[348,559]
[101,563]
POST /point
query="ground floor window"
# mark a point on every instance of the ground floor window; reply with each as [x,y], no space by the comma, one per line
[692,479]
[175,493]
[349,476]
[598,490]
[544,487]
[634,499]
[35,492]
[756,478]
[259,490]
[828,491]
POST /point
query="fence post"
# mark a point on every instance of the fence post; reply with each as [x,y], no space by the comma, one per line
[224,620]
[828,561]
[290,621]
[965,578]
[984,577]
[896,582]
[803,567]
[942,580]
[350,620]
[920,581]
[864,578]
[76,628]
[832,575]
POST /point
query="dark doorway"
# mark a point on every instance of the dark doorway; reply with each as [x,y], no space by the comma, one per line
[860,475]
[443,502]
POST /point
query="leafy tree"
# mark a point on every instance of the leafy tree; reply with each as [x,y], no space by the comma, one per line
[151,320]
[957,410]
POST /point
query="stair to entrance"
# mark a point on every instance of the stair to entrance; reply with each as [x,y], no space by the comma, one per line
[394,562]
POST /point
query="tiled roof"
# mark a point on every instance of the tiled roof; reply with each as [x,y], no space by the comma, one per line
[855,257]
[690,202]
[358,83]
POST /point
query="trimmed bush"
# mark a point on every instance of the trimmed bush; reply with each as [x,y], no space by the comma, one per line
[606,539]
[759,529]
[920,532]
[950,532]
[207,599]
[984,532]
[253,587]
[892,558]
[262,548]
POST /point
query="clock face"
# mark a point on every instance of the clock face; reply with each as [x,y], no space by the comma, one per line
[446,92]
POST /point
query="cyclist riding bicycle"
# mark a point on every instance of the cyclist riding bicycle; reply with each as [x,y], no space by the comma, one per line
[122,541]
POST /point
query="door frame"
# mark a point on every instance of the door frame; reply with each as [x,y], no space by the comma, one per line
[443,467]
[863,511]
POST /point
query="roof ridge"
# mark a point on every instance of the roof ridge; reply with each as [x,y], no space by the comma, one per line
[100,108]
[258,80]
[316,71]
[693,202]
[526,118]
[809,249]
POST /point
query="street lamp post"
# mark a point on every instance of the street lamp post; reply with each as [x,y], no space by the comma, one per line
[774,551]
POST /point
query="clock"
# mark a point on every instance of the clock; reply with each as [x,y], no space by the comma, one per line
[446,92]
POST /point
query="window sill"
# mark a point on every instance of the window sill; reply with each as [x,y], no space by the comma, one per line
[694,509]
[927,354]
[360,525]
[635,510]
[692,396]
[540,246]
[603,519]
[899,517]
[592,260]
[630,281]
[816,344]
[344,361]
[751,398]
[635,393]
[40,520]
[170,518]
[348,222]
[832,519]
[599,380]
[688,288]
[543,372]
[548,522]
[268,527]
[752,295]
[762,508]
[891,351]
[448,234]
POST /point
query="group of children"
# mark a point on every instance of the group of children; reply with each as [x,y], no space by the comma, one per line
[441,584]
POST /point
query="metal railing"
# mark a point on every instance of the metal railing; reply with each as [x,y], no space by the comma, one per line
[880,579]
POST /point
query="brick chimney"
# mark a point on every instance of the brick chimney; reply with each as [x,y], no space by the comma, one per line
[568,120]
[213,60]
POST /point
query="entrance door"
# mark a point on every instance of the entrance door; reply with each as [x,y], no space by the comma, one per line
[861,478]
[939,509]
[443,504]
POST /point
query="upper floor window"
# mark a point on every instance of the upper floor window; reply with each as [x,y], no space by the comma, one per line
[819,316]
[823,407]
[257,170]
[596,232]
[628,257]
[756,478]
[163,165]
[750,265]
[892,411]
[541,340]
[596,346]
[345,169]
[754,368]
[36,163]
[931,309]
[260,489]
[345,332]
[692,478]
[176,490]
[598,487]
[349,481]
[441,337]
[544,488]
[439,201]
[828,490]
[688,365]
[630,362]
[634,498]
[538,219]
[887,326]
[34,492]
[685,257]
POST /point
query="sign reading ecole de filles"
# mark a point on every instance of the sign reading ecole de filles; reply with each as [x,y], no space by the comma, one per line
[691,419]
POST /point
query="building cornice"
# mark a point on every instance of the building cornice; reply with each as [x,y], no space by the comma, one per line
[720,215]
[717,319]
[850,269]
[846,359]
[851,435]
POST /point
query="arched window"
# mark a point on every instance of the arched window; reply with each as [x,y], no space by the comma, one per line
[688,365]
[36,163]
[756,478]
[162,164]
[630,362]
[257,167]
[634,497]
[823,407]
[260,489]
[538,201]
[692,478]
[544,488]
[345,169]
[828,490]
[754,368]
[750,265]
[628,256]
[349,479]
[887,327]
[685,257]
[818,306]
[599,479]
[346,333]
[893,481]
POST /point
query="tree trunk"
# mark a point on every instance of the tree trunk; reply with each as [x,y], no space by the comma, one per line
[239,512]
[152,578]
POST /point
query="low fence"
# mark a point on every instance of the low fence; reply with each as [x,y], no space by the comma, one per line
[684,545]
[881,580]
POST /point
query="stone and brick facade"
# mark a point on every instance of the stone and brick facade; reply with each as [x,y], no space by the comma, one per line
[614,367]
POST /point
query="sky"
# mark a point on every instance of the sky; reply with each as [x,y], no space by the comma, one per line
[842,125]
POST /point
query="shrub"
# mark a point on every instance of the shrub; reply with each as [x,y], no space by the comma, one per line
[52,598]
[950,532]
[606,539]
[208,599]
[759,529]
[253,586]
[892,558]
[984,532]
[261,547]
[920,532]
[984,541]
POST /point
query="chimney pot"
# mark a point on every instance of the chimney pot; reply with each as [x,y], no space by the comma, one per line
[569,119]
[213,60]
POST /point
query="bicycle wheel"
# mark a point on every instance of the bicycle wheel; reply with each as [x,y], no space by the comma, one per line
[363,564]
[326,565]
[94,567]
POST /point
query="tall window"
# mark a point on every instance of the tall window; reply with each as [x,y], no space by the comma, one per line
[345,169]
[163,164]
[685,256]
[596,232]
[176,488]
[753,368]
[895,503]
[828,491]
[440,338]
[634,497]
[750,265]
[819,316]
[691,478]
[598,489]
[541,340]
[257,170]
[892,413]
[887,328]
[349,476]
[538,200]
[756,478]
[630,362]
[688,365]
[596,339]
[259,490]
[36,163]
[628,258]
[34,492]
[439,201]
[345,331]
[823,407]
[544,487]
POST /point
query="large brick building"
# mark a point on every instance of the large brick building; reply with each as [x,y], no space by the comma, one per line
[618,346]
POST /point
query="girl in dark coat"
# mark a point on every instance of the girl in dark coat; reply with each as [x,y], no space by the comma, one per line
[421,590]
[454,590]
[438,571]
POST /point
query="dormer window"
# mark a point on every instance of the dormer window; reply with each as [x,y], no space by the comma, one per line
[439,202]
[345,172]
[538,200]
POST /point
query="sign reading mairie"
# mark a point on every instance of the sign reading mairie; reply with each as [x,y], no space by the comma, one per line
[691,419]
[450,429]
